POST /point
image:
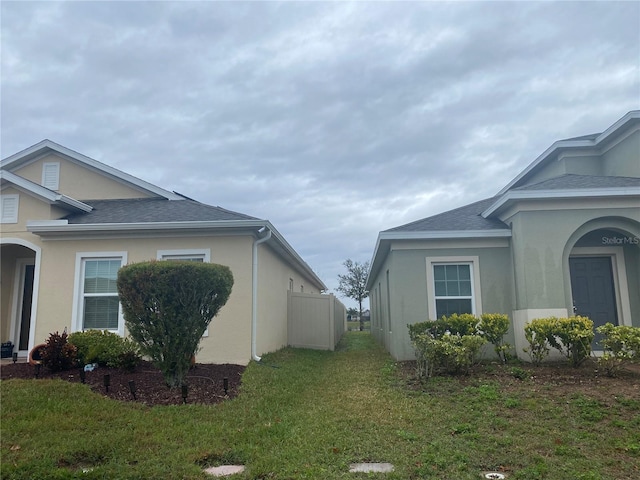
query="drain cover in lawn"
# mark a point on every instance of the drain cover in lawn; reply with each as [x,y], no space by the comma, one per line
[370,468]
[224,470]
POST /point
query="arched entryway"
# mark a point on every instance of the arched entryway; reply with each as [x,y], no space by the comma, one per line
[19,262]
[603,259]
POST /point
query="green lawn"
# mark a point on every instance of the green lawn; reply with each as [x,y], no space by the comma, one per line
[308,415]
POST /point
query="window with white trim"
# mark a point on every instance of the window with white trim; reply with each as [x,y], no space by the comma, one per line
[185,255]
[453,285]
[100,304]
[51,175]
[453,289]
[9,208]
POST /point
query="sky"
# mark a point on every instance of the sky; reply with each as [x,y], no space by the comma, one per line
[333,120]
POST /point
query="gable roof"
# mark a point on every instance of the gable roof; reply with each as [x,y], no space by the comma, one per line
[594,142]
[46,147]
[44,193]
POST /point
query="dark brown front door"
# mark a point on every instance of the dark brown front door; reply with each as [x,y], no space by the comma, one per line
[593,289]
[25,311]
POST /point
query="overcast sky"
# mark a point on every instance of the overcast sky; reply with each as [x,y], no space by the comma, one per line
[332,120]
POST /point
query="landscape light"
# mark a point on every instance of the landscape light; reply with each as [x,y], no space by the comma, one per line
[15,357]
[107,381]
[38,369]
[185,392]
[132,388]
[83,375]
[225,385]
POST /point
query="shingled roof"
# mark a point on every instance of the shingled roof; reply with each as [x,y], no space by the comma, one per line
[152,210]
[572,181]
[464,218]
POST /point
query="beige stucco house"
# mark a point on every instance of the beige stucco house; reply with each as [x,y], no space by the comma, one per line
[69,222]
[562,237]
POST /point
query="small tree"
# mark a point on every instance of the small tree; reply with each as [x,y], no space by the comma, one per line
[167,308]
[353,284]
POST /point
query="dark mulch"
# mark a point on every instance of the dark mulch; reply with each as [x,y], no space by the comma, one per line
[205,382]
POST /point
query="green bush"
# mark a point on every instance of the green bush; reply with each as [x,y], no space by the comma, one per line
[167,308]
[493,327]
[58,354]
[105,348]
[448,345]
[536,332]
[620,345]
[571,336]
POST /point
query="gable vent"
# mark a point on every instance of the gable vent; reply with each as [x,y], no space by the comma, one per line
[51,175]
[9,208]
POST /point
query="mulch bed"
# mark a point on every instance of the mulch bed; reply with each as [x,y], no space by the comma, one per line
[205,382]
[555,378]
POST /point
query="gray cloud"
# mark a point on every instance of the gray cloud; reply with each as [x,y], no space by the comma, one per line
[333,120]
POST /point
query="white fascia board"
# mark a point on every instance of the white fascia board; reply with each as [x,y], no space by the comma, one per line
[560,144]
[44,145]
[58,229]
[276,236]
[436,234]
[61,229]
[43,192]
[385,239]
[559,194]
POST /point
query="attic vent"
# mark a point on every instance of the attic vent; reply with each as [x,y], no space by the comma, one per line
[9,208]
[51,175]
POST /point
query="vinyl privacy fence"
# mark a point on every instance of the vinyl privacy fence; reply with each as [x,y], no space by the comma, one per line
[315,320]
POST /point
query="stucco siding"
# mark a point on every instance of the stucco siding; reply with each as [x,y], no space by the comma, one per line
[229,333]
[623,159]
[80,182]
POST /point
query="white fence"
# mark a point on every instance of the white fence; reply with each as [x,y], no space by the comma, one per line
[315,321]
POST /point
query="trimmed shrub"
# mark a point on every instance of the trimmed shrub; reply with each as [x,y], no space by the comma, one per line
[58,354]
[536,332]
[167,308]
[571,336]
[106,349]
[620,345]
[493,327]
[448,345]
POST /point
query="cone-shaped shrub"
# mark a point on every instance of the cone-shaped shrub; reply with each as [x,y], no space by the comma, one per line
[167,308]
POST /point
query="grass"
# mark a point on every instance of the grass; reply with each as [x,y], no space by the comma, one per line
[308,414]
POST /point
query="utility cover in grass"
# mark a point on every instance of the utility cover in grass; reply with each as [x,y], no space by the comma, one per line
[224,470]
[370,468]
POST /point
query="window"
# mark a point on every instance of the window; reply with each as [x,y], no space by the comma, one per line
[97,305]
[453,286]
[453,289]
[51,175]
[9,208]
[195,255]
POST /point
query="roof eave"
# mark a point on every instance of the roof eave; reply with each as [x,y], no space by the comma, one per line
[63,229]
[385,238]
[513,196]
[573,144]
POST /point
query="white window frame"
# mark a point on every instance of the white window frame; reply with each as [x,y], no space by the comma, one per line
[3,202]
[185,254]
[77,321]
[51,170]
[474,266]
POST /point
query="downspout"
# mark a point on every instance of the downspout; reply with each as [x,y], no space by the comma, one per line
[254,293]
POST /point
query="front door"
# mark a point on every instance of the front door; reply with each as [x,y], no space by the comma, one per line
[24,310]
[593,290]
